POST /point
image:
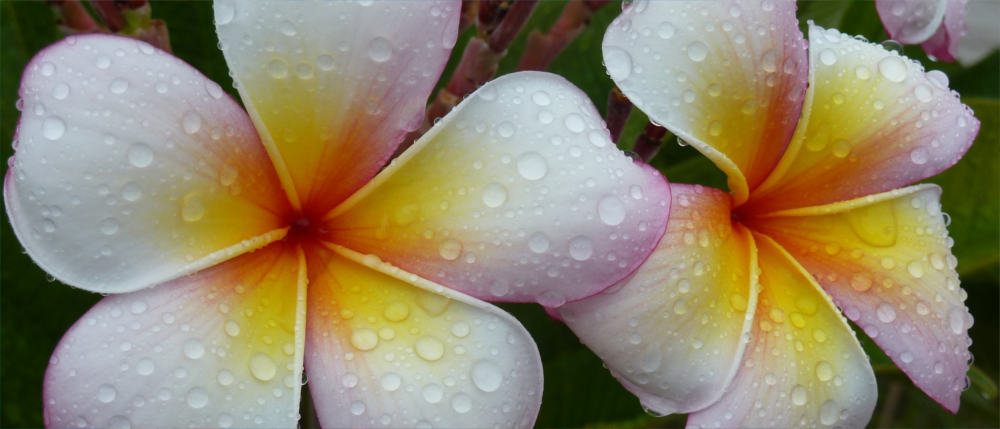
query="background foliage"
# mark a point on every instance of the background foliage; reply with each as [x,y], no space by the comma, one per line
[579,392]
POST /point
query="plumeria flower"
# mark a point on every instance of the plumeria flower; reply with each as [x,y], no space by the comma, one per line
[734,318]
[938,25]
[242,249]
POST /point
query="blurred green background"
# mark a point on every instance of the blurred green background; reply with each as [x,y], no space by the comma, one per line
[579,391]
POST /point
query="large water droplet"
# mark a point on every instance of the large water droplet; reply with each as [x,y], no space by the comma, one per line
[450,249]
[956,320]
[194,349]
[494,195]
[824,371]
[611,210]
[574,123]
[429,348]
[799,395]
[118,86]
[618,63]
[380,50]
[191,122]
[262,367]
[581,248]
[396,311]
[432,393]
[532,166]
[106,393]
[885,313]
[192,207]
[131,191]
[60,91]
[666,30]
[197,398]
[145,367]
[828,57]
[364,339]
[486,376]
[224,12]
[391,381]
[892,68]
[118,422]
[538,242]
[461,403]
[828,413]
[140,155]
[109,226]
[697,51]
[225,377]
[919,156]
[53,128]
[277,68]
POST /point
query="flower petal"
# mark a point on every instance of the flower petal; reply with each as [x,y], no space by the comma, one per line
[886,259]
[803,366]
[874,121]
[673,332]
[982,36]
[911,21]
[943,45]
[727,77]
[518,194]
[387,348]
[333,87]
[133,168]
[221,348]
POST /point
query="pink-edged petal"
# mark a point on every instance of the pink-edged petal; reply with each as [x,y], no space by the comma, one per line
[674,331]
[803,366]
[221,348]
[727,77]
[334,86]
[873,121]
[887,261]
[911,21]
[132,168]
[386,348]
[982,35]
[517,195]
[943,45]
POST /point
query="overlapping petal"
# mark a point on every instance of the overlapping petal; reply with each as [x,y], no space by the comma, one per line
[674,332]
[221,348]
[886,260]
[803,366]
[389,349]
[873,121]
[727,77]
[132,168]
[943,45]
[912,21]
[333,87]
[518,195]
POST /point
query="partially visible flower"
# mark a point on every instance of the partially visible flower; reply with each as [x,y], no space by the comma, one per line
[734,318]
[242,248]
[938,25]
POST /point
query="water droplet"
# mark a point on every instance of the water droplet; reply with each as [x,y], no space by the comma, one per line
[380,50]
[541,98]
[140,155]
[432,393]
[906,357]
[391,381]
[574,123]
[486,376]
[194,349]
[611,210]
[828,413]
[715,128]
[262,367]
[325,62]
[106,393]
[227,175]
[277,68]
[396,311]
[885,313]
[581,248]
[824,371]
[118,86]
[841,148]
[956,320]
[53,128]
[828,57]
[697,51]
[532,166]
[919,156]
[461,403]
[538,242]
[666,30]
[103,62]
[231,327]
[799,395]
[861,282]
[618,62]
[225,377]
[494,195]
[192,207]
[450,249]
[429,348]
[131,191]
[213,89]
[364,339]
[191,122]
[892,68]
[60,91]
[109,226]
[197,398]
[224,12]
[349,380]
[145,367]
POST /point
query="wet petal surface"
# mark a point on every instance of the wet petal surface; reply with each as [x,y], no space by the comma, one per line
[132,168]
[873,121]
[727,77]
[887,261]
[221,348]
[911,21]
[674,331]
[333,87]
[517,195]
[387,348]
[803,366]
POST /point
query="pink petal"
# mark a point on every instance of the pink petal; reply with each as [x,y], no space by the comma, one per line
[886,259]
[727,77]
[943,45]
[803,366]
[873,121]
[387,348]
[912,21]
[217,349]
[517,195]
[334,86]
[131,168]
[674,331]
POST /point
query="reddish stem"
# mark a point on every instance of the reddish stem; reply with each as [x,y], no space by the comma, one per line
[648,143]
[543,48]
[73,17]
[619,109]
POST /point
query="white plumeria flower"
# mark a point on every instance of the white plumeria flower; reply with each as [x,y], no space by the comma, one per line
[243,248]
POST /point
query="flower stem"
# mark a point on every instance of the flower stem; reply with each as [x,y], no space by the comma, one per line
[619,109]
[543,48]
[648,143]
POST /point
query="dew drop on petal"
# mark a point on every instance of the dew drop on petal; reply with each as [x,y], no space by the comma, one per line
[118,86]
[140,155]
[574,123]
[611,210]
[53,128]
[581,248]
[618,62]
[429,348]
[192,207]
[193,349]
[829,413]
[799,395]
[364,339]
[224,12]
[450,249]
[892,68]
[432,393]
[262,367]
[486,376]
[494,195]
[391,381]
[380,50]
[824,371]
[197,398]
[461,403]
[106,393]
[697,51]
[885,313]
[191,122]
[532,166]
[538,242]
